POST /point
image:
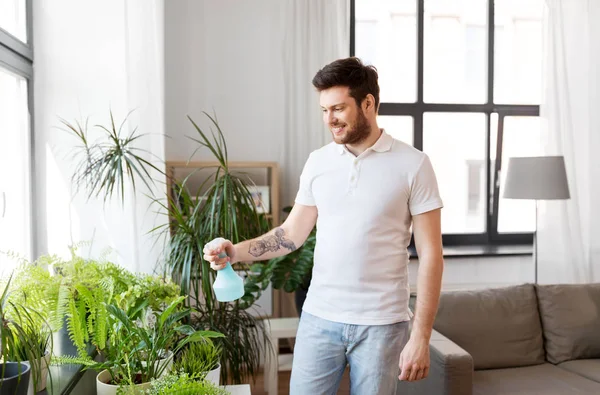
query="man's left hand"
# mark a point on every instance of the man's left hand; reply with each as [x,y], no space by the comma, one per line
[414,360]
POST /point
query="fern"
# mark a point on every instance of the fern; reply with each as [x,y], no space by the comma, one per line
[59,307]
[75,329]
[101,328]
[72,360]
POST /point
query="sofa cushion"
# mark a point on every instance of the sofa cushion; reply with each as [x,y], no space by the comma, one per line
[588,368]
[499,327]
[570,316]
[544,379]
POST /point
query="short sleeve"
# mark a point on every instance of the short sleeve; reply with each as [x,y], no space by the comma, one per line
[424,194]
[305,195]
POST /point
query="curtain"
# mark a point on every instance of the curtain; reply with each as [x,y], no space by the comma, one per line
[316,33]
[92,58]
[568,243]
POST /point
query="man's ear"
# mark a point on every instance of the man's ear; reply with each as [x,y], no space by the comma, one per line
[369,103]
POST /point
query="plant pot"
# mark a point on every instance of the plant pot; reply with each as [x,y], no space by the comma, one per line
[43,375]
[104,388]
[214,376]
[166,362]
[16,378]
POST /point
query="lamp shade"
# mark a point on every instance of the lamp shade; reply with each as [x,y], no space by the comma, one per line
[540,177]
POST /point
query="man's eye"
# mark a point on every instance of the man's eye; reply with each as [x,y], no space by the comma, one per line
[338,109]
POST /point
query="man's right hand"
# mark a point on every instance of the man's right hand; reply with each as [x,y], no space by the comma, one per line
[212,250]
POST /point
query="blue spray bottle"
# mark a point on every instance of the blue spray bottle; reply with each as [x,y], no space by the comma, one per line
[228,285]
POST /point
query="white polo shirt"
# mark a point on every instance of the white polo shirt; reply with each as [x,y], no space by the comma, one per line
[365,206]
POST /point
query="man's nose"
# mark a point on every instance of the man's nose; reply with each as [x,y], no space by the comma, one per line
[331,118]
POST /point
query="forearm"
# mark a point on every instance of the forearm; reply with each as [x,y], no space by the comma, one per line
[273,244]
[429,283]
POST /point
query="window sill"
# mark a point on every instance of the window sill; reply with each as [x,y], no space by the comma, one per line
[475,251]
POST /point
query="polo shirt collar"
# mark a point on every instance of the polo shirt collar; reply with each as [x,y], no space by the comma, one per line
[383,144]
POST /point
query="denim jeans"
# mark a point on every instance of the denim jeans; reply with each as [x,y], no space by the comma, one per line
[324,348]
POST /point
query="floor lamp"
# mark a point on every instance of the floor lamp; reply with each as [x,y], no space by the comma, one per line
[536,178]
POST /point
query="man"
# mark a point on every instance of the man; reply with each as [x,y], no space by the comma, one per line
[362,191]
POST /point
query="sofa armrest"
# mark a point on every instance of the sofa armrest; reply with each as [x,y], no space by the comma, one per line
[450,373]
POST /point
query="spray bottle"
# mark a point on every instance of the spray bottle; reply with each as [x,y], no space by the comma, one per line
[228,285]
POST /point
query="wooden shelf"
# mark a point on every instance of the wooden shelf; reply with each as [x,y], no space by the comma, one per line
[272,175]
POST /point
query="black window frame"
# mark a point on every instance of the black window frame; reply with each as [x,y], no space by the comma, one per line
[418,108]
[17,57]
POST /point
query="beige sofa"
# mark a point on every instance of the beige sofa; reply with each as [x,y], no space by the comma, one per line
[524,339]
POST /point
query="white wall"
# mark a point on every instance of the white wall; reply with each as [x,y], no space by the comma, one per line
[91,57]
[225,56]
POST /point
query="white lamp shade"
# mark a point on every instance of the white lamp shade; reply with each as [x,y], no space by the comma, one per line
[537,178]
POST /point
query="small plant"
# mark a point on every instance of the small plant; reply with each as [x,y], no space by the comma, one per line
[184,384]
[199,358]
[139,340]
[24,335]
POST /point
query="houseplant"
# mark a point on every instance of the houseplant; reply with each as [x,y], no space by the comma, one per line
[184,384]
[139,344]
[203,358]
[226,210]
[106,165]
[19,342]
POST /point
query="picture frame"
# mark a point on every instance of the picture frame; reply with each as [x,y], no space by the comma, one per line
[262,198]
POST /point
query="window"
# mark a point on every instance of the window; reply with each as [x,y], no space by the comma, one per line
[461,81]
[16,75]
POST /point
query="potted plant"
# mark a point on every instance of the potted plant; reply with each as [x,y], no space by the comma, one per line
[184,384]
[226,209]
[203,358]
[19,342]
[39,342]
[139,346]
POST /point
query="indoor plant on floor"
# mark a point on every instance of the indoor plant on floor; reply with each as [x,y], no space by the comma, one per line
[226,209]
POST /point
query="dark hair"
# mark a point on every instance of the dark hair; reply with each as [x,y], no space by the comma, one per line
[350,72]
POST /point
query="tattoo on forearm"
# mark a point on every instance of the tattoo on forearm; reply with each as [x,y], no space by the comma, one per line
[271,243]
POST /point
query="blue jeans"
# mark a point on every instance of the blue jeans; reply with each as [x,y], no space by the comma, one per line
[324,348]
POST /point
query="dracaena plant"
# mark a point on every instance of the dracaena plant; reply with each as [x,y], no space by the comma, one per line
[106,166]
[222,207]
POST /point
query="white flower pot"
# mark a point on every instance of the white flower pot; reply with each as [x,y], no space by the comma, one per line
[214,375]
[41,381]
[103,388]
[166,362]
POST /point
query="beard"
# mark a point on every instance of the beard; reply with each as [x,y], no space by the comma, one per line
[358,133]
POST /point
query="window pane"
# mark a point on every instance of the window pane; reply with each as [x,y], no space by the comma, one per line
[456,145]
[15,202]
[386,37]
[455,50]
[522,137]
[518,51]
[13,18]
[399,127]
